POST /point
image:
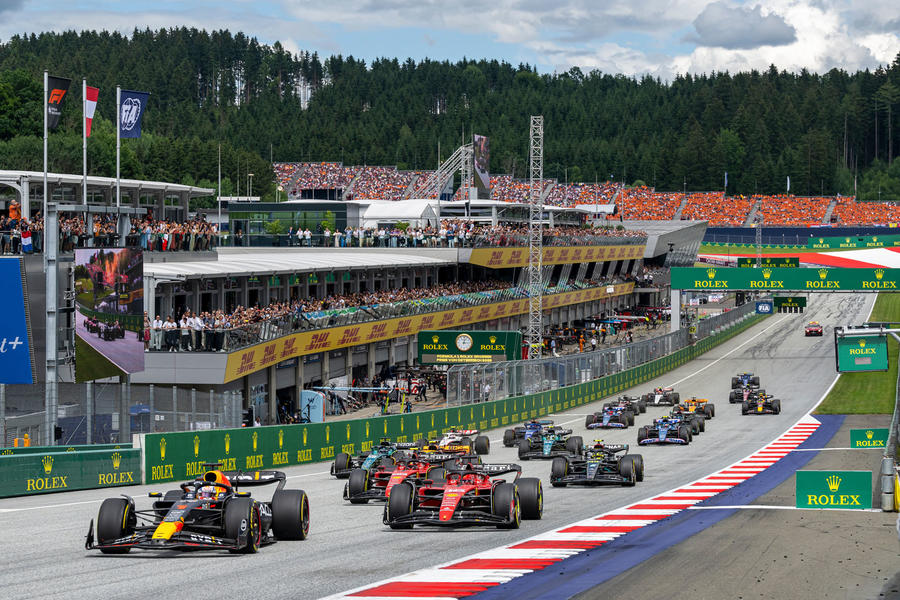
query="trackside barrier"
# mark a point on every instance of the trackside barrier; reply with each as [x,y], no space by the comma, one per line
[179,456]
[52,449]
[26,474]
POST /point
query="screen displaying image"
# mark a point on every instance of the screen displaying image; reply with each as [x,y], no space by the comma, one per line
[482,146]
[109,312]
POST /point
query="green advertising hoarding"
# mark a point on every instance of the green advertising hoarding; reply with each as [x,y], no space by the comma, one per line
[834,489]
[869,438]
[860,353]
[448,347]
[782,279]
[789,301]
[26,474]
[853,242]
[790,262]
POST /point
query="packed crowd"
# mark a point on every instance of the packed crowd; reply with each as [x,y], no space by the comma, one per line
[380,183]
[573,194]
[648,204]
[716,208]
[792,210]
[848,211]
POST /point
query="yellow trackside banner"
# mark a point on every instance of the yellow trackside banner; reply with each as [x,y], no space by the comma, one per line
[501,258]
[267,354]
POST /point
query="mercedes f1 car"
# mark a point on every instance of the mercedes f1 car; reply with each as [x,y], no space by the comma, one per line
[609,418]
[665,430]
[386,453]
[599,464]
[813,328]
[474,495]
[744,380]
[661,396]
[698,405]
[554,441]
[763,404]
[512,437]
[457,441]
[376,484]
[205,514]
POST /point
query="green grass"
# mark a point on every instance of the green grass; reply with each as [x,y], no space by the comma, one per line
[90,364]
[868,393]
[729,249]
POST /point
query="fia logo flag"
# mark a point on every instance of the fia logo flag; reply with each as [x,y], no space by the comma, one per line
[56,93]
[131,109]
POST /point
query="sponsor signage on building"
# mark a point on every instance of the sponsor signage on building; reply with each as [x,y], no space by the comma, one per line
[454,347]
[790,262]
[869,438]
[853,242]
[501,258]
[786,279]
[854,354]
[834,489]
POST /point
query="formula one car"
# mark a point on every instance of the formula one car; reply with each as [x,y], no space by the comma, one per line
[376,483]
[458,441]
[599,464]
[512,437]
[635,405]
[744,380]
[665,430]
[469,496]
[696,420]
[554,441]
[610,418]
[698,405]
[764,404]
[744,393]
[385,453]
[661,396]
[813,328]
[205,514]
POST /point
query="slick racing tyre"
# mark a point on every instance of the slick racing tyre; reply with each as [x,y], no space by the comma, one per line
[558,468]
[482,444]
[524,449]
[115,520]
[638,461]
[745,408]
[710,410]
[627,470]
[505,504]
[400,504]
[357,484]
[590,420]
[630,415]
[776,406]
[643,434]
[684,433]
[438,475]
[242,519]
[642,406]
[575,444]
[509,438]
[290,515]
[341,463]
[531,497]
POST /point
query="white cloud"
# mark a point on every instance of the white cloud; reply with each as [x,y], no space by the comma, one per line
[726,26]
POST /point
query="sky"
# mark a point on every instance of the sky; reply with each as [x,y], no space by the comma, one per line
[635,37]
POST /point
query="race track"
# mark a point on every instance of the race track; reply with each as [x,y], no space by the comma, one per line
[349,547]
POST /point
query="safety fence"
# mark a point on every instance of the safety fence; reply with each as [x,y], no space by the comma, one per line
[52,449]
[58,471]
[177,456]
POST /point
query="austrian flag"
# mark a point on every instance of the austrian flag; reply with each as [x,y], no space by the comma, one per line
[90,105]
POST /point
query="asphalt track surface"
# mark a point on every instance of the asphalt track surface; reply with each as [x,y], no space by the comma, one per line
[349,547]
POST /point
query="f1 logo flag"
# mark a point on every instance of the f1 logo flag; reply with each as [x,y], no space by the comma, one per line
[56,93]
[131,109]
[90,105]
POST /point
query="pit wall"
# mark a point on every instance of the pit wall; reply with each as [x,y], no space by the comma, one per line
[180,456]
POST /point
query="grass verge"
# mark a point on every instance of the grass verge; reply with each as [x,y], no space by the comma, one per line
[868,393]
[729,249]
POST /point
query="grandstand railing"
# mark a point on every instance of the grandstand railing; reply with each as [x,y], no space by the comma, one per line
[468,384]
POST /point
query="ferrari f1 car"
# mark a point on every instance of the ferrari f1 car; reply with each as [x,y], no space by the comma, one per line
[554,441]
[813,328]
[609,418]
[665,430]
[744,380]
[599,464]
[474,495]
[512,437]
[385,453]
[745,393]
[376,484]
[698,405]
[763,404]
[661,396]
[205,514]
[456,441]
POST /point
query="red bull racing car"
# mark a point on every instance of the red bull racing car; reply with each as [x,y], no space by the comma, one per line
[763,404]
[205,514]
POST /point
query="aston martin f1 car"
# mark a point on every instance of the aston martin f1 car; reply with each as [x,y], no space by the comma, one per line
[385,453]
[763,404]
[457,441]
[744,380]
[474,495]
[609,418]
[376,484]
[665,430]
[205,514]
[599,464]
[554,441]
[660,396]
[512,437]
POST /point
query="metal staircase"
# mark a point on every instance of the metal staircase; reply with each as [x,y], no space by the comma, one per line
[431,187]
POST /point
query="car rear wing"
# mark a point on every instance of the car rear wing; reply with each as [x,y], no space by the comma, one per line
[255,478]
[490,469]
[405,445]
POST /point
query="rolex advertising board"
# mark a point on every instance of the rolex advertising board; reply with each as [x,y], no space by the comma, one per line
[59,471]
[457,347]
[855,354]
[783,279]
[873,437]
[834,489]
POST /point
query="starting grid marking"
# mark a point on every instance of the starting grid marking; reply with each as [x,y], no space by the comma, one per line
[480,572]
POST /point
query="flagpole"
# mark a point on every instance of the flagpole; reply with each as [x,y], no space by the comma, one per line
[219,191]
[44,211]
[84,140]
[118,144]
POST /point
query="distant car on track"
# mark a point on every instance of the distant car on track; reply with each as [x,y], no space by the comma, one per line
[665,430]
[743,380]
[744,394]
[698,405]
[512,437]
[763,404]
[609,418]
[458,441]
[632,403]
[376,483]
[384,454]
[554,441]
[661,396]
[813,328]
[599,464]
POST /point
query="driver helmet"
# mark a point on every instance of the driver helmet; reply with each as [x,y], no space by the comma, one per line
[206,492]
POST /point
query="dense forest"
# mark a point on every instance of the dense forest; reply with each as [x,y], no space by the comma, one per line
[209,88]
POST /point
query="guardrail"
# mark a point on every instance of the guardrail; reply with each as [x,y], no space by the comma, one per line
[42,473]
[890,476]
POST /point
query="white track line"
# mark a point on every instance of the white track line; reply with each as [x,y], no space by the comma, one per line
[9,510]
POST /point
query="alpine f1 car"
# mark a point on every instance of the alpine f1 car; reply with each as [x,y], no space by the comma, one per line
[474,495]
[744,380]
[763,404]
[458,441]
[635,405]
[385,453]
[813,328]
[698,405]
[205,514]
[512,437]
[745,393]
[376,484]
[554,441]
[609,418]
[665,430]
[599,464]
[661,396]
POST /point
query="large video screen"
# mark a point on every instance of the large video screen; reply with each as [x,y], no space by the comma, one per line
[482,146]
[109,312]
